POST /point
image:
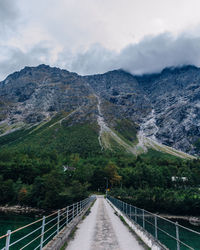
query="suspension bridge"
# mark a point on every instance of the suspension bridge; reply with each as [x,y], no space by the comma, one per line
[97,223]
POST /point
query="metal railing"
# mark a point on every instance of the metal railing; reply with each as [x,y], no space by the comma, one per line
[38,233]
[168,233]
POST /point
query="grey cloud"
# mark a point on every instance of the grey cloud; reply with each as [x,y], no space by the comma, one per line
[96,59]
[150,55]
[16,59]
[9,13]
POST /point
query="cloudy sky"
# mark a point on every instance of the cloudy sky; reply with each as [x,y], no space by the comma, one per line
[94,36]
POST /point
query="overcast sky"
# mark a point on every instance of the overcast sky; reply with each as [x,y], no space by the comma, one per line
[94,36]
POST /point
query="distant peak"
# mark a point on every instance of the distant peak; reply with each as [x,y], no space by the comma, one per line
[112,72]
[180,68]
[44,66]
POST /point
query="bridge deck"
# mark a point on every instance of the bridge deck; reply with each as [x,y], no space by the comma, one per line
[103,230]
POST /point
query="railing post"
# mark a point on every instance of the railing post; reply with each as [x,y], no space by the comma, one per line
[177,236]
[156,227]
[42,233]
[126,208]
[58,222]
[76,208]
[8,240]
[67,214]
[143,218]
[135,214]
[84,203]
[73,212]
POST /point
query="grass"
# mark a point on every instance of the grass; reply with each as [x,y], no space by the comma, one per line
[154,154]
[71,237]
[14,137]
[60,138]
[64,246]
[128,130]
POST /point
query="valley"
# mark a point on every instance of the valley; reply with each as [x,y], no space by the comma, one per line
[110,126]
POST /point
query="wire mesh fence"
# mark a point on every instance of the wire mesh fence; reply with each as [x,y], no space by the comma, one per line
[170,234]
[38,233]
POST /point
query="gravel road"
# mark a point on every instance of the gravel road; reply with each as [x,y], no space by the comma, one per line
[103,230]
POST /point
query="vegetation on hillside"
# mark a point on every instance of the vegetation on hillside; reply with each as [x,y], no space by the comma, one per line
[52,166]
[161,184]
[127,129]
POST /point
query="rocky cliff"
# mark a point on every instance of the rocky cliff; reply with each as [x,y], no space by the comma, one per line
[136,112]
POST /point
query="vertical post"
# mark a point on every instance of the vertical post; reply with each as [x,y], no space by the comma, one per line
[156,227]
[135,214]
[76,208]
[58,222]
[73,212]
[177,236]
[8,240]
[67,215]
[126,208]
[82,207]
[130,211]
[42,233]
[143,218]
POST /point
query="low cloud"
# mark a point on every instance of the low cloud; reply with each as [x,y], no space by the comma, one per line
[9,13]
[150,55]
[15,59]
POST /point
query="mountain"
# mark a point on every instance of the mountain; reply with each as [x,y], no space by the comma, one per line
[115,110]
[175,115]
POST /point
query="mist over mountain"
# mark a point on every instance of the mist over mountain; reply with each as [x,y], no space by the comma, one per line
[160,111]
[151,55]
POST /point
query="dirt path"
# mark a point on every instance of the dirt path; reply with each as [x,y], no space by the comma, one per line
[103,230]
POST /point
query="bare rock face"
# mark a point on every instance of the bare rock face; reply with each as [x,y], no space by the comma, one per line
[122,96]
[166,106]
[37,93]
[175,97]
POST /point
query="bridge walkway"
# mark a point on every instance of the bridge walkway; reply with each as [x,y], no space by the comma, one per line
[103,230]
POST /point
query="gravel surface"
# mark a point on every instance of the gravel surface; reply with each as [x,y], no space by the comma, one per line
[103,230]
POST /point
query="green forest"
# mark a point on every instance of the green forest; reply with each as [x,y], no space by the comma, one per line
[51,167]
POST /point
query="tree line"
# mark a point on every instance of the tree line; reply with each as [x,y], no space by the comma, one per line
[49,179]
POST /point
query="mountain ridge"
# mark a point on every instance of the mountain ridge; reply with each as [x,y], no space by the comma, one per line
[152,104]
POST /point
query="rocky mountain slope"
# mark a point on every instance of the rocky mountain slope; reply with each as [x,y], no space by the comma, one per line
[132,113]
[175,99]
